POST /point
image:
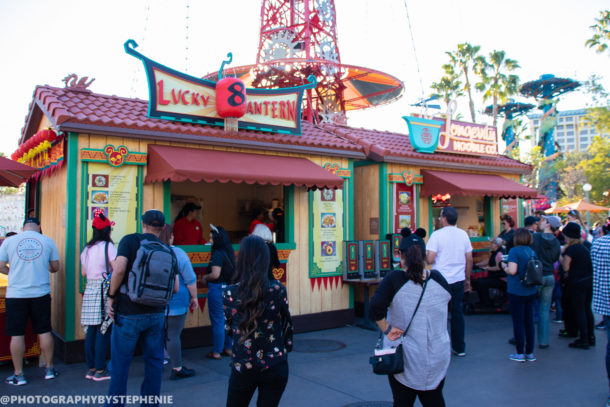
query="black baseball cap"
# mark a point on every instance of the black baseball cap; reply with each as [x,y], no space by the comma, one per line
[530,220]
[191,206]
[31,220]
[153,217]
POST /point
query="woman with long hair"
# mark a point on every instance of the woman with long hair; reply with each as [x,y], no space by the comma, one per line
[576,262]
[395,307]
[264,233]
[521,298]
[222,265]
[258,319]
[96,260]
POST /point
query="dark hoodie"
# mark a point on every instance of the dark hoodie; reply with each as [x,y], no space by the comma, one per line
[547,248]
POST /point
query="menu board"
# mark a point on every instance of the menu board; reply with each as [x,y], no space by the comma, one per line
[404,207]
[327,233]
[113,191]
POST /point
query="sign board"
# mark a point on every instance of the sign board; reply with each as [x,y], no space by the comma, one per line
[404,207]
[176,96]
[327,233]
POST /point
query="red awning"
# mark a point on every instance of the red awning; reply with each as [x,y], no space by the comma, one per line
[181,164]
[13,173]
[458,183]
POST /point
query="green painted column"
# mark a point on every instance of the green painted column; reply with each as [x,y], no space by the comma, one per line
[383,200]
[167,201]
[71,245]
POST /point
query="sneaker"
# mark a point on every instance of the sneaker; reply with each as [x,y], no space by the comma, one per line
[51,373]
[165,361]
[90,373]
[16,380]
[558,321]
[579,344]
[565,334]
[601,325]
[530,357]
[101,376]
[517,357]
[182,373]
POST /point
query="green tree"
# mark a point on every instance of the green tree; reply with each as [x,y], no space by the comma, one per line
[601,32]
[462,60]
[495,83]
[597,169]
[448,87]
[534,158]
[571,177]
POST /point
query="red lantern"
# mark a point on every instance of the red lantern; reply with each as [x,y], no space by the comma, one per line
[230,97]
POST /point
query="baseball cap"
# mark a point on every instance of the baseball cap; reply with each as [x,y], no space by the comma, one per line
[32,220]
[153,217]
[191,206]
[554,221]
[530,220]
[412,240]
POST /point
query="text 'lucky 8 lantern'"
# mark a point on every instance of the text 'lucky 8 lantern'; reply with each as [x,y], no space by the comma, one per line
[230,94]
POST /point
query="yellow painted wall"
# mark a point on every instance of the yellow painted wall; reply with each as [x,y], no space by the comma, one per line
[366,201]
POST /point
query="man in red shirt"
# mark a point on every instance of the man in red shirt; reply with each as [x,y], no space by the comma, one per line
[187,229]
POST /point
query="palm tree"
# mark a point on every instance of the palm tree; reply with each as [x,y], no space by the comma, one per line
[449,87]
[601,36]
[462,59]
[495,83]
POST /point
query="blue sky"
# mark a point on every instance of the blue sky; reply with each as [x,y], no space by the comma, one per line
[43,41]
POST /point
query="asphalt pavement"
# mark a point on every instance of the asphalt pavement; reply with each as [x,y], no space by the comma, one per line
[330,368]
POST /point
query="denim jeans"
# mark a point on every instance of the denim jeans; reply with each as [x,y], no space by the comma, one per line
[522,313]
[270,384]
[545,295]
[96,347]
[148,329]
[457,316]
[217,317]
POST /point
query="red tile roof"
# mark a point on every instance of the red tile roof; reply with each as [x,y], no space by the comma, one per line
[82,110]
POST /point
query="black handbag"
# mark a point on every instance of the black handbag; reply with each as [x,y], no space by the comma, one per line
[391,361]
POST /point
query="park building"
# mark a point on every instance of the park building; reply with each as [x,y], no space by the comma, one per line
[572,133]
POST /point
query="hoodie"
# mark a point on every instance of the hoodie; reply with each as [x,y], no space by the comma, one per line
[547,248]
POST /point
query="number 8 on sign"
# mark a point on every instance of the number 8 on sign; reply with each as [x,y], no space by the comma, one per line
[230,97]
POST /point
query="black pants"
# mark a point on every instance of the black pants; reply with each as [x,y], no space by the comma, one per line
[405,396]
[569,318]
[582,295]
[270,383]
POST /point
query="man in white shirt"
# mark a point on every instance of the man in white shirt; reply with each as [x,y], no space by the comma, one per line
[450,252]
[31,257]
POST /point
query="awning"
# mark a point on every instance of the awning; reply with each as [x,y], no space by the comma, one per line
[13,173]
[180,164]
[458,183]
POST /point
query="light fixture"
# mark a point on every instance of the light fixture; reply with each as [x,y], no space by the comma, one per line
[587,187]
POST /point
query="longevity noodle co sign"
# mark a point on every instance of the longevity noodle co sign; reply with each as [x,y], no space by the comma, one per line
[430,135]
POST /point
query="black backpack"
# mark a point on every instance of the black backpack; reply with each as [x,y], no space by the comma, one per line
[533,272]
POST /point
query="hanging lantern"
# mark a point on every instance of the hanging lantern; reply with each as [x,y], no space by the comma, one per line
[230,97]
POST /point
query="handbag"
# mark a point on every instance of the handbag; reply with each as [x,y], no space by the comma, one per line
[391,361]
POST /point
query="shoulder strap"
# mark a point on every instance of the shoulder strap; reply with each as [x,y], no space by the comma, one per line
[106,258]
[416,307]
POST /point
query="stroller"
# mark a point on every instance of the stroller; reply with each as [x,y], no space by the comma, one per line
[488,293]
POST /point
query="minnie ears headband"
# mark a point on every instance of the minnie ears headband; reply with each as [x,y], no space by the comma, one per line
[101,222]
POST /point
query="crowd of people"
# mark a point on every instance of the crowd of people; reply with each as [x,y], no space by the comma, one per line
[248,307]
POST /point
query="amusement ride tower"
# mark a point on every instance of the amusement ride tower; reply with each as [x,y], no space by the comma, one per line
[545,90]
[298,38]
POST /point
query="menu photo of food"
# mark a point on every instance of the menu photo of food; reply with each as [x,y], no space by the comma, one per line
[328,195]
[404,221]
[99,180]
[329,249]
[99,197]
[404,197]
[328,220]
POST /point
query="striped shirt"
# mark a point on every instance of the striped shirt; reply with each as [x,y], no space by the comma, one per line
[600,257]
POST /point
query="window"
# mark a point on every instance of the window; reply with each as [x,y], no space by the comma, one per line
[569,119]
[570,132]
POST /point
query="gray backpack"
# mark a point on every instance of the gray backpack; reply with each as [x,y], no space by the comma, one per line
[151,279]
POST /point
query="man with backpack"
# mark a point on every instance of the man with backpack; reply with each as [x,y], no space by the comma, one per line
[143,281]
[547,248]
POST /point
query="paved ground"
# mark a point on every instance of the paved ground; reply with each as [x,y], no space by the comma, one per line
[341,376]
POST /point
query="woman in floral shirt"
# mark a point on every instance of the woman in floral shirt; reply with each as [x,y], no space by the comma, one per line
[258,320]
